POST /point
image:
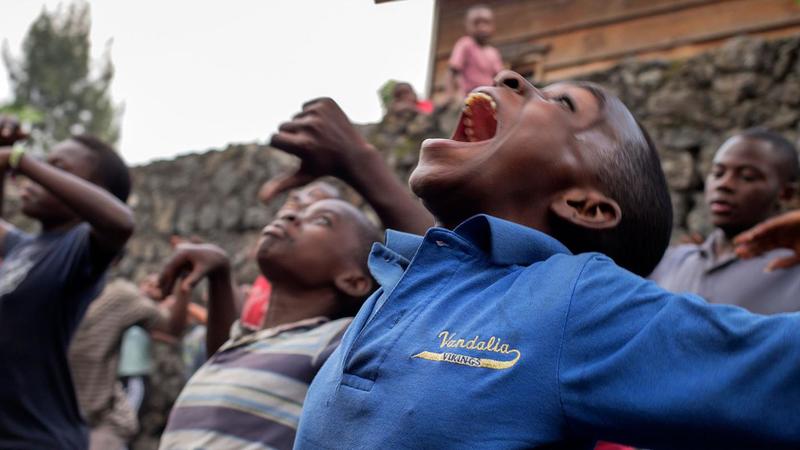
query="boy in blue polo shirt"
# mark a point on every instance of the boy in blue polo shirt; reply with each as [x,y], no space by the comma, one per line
[502,328]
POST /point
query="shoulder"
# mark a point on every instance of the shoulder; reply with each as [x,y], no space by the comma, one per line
[464,41]
[122,287]
[333,330]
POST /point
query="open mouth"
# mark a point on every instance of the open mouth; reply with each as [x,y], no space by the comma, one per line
[478,121]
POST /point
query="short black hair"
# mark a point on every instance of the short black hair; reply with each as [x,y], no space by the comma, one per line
[785,150]
[631,174]
[477,7]
[110,170]
[366,234]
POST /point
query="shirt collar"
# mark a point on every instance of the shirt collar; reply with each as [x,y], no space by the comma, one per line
[508,243]
[504,242]
[707,250]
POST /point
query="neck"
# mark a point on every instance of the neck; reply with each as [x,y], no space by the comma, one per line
[723,246]
[532,215]
[289,304]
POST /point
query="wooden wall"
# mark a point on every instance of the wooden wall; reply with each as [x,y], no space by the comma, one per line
[588,35]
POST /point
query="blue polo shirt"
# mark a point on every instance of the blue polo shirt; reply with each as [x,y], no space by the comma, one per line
[495,336]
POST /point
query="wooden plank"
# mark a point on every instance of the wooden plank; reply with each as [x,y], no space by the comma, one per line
[669,30]
[662,32]
[682,52]
[518,20]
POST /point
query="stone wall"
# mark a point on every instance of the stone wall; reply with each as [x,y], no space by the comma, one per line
[689,107]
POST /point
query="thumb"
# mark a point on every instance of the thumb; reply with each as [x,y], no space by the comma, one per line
[282,183]
[783,263]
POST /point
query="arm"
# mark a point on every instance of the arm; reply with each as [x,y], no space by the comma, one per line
[174,312]
[328,144]
[779,232]
[110,219]
[646,367]
[201,261]
[455,65]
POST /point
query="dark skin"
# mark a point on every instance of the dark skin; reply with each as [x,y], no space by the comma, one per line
[306,254]
[745,185]
[62,193]
[327,144]
[540,163]
[480,24]
[782,231]
[404,99]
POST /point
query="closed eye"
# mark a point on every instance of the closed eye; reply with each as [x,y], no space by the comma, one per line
[322,220]
[566,101]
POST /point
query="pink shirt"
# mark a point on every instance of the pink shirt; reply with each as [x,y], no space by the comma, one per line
[476,65]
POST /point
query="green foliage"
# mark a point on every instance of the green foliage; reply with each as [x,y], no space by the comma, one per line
[53,84]
[25,113]
[386,94]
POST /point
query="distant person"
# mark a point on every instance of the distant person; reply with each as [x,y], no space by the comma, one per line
[474,61]
[404,99]
[135,365]
[751,173]
[47,282]
[94,356]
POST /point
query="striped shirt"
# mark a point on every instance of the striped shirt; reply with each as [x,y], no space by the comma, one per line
[250,393]
[94,354]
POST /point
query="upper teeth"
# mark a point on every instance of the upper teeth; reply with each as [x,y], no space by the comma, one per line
[474,96]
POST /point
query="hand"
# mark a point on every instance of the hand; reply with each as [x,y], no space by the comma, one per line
[779,232]
[323,138]
[10,131]
[194,262]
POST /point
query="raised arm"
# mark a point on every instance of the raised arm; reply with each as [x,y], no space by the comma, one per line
[328,144]
[194,262]
[646,367]
[110,219]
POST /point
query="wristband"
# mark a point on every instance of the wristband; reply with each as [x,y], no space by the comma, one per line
[16,156]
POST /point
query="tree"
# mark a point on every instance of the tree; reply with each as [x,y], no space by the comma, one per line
[54,79]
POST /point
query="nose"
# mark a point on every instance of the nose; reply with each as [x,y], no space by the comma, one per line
[725,183]
[516,82]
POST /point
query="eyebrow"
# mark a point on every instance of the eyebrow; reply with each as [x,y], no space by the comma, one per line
[594,90]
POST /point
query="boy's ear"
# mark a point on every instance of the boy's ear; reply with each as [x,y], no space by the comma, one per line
[587,208]
[353,282]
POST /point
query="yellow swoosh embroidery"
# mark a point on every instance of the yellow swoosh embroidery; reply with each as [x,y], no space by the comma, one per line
[456,358]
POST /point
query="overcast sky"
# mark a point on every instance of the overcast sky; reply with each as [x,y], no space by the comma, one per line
[195,75]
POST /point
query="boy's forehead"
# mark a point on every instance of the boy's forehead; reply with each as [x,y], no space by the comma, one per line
[612,115]
[481,13]
[746,147]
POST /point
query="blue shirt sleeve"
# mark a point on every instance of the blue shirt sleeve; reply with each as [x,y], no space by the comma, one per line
[646,367]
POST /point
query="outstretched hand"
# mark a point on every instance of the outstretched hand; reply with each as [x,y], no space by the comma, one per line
[326,142]
[779,232]
[192,262]
[10,131]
